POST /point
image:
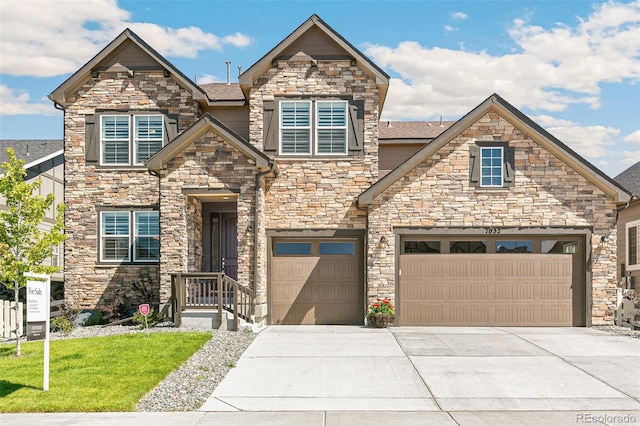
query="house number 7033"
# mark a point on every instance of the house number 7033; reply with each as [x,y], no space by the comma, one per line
[492,230]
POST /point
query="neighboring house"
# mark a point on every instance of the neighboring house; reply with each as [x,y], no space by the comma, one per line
[43,159]
[629,227]
[289,183]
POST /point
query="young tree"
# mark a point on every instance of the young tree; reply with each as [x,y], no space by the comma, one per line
[23,245]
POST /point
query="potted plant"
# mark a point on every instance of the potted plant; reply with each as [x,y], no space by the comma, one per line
[381,313]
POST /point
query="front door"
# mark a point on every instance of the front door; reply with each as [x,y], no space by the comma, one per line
[229,244]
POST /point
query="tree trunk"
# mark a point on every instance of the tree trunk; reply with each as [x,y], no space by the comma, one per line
[17,293]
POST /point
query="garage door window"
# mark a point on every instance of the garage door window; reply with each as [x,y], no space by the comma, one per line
[514,246]
[422,247]
[555,246]
[340,248]
[293,248]
[468,247]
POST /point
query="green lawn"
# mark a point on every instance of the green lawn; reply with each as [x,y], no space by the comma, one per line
[109,373]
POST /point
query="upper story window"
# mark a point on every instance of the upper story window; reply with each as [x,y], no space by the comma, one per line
[318,127]
[326,121]
[633,245]
[129,139]
[492,162]
[129,236]
[491,165]
[126,139]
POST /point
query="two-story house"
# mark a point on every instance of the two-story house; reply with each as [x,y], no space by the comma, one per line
[289,184]
[44,160]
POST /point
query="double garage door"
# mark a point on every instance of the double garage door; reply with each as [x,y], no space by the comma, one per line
[316,281]
[491,281]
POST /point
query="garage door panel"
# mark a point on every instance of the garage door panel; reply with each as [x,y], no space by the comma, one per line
[316,289]
[487,290]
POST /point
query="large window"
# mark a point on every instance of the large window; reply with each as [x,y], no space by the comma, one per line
[129,236]
[313,126]
[633,243]
[129,139]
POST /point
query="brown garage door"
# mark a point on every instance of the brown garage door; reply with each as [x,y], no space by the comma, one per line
[486,289]
[316,281]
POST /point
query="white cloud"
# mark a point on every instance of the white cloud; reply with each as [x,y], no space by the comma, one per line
[589,141]
[449,28]
[459,16]
[12,103]
[630,157]
[65,34]
[633,138]
[550,70]
[208,78]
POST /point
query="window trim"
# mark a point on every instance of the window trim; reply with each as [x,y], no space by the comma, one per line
[492,167]
[313,127]
[629,225]
[131,236]
[132,142]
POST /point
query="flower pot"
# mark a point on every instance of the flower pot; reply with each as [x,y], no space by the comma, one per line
[379,320]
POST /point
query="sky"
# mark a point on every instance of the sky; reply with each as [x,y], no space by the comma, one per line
[573,66]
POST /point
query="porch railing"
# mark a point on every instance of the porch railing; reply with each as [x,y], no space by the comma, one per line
[211,290]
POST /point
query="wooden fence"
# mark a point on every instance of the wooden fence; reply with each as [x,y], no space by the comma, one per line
[8,317]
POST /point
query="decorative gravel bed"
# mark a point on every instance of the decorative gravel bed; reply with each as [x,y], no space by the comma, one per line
[620,331]
[188,387]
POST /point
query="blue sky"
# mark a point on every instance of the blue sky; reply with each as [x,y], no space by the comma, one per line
[573,66]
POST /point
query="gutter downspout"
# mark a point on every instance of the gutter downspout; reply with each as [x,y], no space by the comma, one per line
[256,224]
[365,254]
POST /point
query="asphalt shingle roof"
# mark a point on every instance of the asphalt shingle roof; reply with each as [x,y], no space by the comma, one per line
[29,150]
[412,129]
[223,91]
[630,179]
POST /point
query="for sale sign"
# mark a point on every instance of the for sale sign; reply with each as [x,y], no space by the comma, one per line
[37,301]
[144,309]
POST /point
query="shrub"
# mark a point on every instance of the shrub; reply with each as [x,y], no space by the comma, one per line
[113,311]
[153,318]
[61,324]
[95,318]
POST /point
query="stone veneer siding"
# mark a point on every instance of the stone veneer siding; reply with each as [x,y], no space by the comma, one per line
[314,193]
[547,193]
[87,282]
[208,163]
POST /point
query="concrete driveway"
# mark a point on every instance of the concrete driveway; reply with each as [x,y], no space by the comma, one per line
[434,369]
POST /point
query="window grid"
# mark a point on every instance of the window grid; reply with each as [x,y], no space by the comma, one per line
[120,140]
[331,130]
[295,129]
[148,136]
[491,166]
[117,234]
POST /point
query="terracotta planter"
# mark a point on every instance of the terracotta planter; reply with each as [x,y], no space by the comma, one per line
[379,320]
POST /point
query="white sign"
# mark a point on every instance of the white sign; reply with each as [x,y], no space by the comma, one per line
[37,301]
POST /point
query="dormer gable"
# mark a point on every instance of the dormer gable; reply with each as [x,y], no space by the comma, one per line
[126,53]
[314,41]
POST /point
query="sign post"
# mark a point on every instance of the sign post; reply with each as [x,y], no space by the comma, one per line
[39,315]
[144,310]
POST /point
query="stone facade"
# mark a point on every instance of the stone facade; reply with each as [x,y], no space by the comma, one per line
[89,186]
[546,193]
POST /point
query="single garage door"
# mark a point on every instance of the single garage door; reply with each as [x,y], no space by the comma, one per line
[490,282]
[316,281]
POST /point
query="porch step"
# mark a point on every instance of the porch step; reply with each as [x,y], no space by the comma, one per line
[208,318]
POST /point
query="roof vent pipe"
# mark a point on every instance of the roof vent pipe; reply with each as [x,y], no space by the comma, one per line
[441,124]
[239,70]
[228,72]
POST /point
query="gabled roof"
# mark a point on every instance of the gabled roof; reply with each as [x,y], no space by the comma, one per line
[204,124]
[32,152]
[519,120]
[254,71]
[84,73]
[630,179]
